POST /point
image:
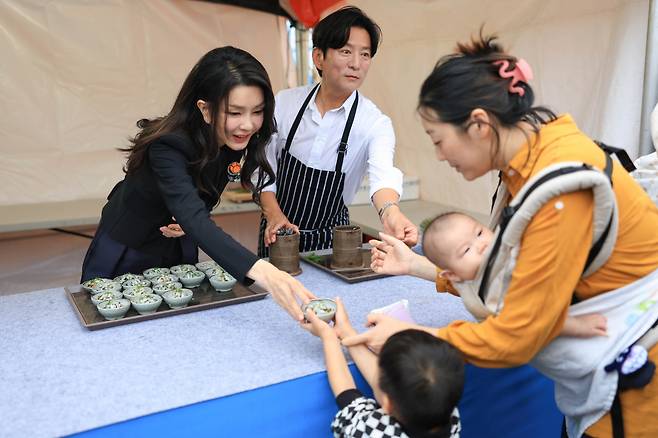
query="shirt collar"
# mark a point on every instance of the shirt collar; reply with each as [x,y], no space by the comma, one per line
[523,163]
[346,106]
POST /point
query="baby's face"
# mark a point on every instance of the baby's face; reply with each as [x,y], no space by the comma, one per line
[465,245]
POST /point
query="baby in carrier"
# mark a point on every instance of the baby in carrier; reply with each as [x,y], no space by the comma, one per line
[457,244]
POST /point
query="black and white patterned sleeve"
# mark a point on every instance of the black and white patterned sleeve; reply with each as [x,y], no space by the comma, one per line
[362,418]
[455,424]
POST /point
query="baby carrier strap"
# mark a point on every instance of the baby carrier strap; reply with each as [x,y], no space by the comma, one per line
[620,153]
[553,181]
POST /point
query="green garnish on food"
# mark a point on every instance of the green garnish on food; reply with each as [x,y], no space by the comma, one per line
[191,274]
[313,257]
[319,307]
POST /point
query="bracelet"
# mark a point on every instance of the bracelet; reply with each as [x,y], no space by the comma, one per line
[385,207]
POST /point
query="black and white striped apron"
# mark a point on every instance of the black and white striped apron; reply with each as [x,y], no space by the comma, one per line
[311,198]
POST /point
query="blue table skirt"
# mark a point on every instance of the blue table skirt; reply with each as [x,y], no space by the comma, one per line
[510,403]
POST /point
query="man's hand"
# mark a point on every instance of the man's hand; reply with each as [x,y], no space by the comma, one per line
[399,226]
[274,224]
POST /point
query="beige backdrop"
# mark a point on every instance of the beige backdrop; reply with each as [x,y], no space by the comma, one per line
[587,56]
[76,75]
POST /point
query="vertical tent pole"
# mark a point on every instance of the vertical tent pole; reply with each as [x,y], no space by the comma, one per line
[650,92]
[303,76]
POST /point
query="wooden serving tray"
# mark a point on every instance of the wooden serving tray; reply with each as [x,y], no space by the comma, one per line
[204,297]
[237,196]
[351,275]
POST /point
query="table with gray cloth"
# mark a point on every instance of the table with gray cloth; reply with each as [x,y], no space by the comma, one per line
[59,378]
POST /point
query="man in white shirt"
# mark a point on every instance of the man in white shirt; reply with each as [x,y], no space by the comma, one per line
[328,136]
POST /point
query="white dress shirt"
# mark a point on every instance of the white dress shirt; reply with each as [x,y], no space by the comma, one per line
[371,144]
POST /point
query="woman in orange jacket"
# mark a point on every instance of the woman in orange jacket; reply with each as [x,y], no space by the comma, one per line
[477,108]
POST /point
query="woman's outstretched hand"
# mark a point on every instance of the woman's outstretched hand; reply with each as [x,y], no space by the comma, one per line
[382,327]
[285,289]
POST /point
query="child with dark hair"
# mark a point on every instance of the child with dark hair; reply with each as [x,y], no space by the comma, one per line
[329,136]
[417,381]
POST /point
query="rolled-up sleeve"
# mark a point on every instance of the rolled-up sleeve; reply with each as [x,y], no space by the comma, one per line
[271,153]
[274,146]
[381,151]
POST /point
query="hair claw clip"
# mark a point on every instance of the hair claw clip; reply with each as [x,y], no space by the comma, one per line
[521,72]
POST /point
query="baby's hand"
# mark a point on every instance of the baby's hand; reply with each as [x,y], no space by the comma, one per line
[597,324]
[317,327]
[586,326]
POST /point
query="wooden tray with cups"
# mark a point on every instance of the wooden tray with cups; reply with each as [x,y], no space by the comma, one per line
[349,259]
[156,293]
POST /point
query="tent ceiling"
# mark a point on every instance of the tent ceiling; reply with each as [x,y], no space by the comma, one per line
[271,6]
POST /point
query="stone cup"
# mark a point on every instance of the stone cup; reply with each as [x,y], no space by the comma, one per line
[347,247]
[284,253]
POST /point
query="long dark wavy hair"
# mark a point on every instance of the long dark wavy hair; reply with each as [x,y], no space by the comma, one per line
[211,80]
[424,378]
[469,79]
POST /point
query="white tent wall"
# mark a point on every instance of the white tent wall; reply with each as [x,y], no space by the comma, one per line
[77,75]
[587,55]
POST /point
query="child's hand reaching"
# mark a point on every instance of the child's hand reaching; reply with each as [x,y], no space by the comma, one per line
[318,327]
[342,325]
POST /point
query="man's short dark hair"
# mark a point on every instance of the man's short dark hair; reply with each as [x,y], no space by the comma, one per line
[333,31]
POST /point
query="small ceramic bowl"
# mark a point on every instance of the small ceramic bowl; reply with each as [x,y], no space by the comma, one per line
[146,304]
[164,278]
[217,270]
[106,287]
[125,277]
[161,288]
[179,269]
[133,292]
[114,309]
[177,299]
[324,308]
[135,282]
[154,272]
[204,266]
[192,278]
[223,282]
[90,284]
[105,296]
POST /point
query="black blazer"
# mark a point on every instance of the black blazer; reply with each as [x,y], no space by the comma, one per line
[164,187]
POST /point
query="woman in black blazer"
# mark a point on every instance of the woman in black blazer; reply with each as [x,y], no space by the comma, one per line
[179,164]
